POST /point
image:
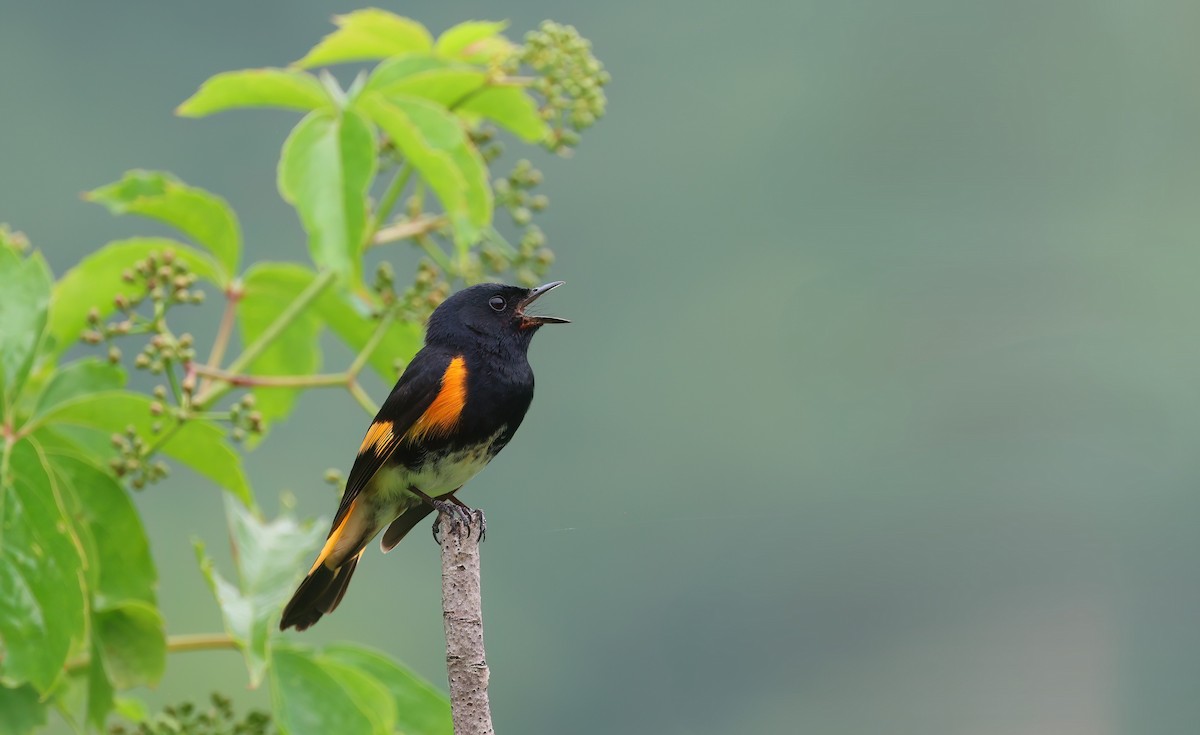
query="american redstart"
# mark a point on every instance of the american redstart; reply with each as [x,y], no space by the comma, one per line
[458,403]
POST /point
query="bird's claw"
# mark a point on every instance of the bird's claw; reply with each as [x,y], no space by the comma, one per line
[479,519]
[461,519]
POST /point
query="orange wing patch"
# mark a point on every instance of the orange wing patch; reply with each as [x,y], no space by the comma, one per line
[377,437]
[447,407]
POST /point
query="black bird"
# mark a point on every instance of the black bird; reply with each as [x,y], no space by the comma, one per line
[458,403]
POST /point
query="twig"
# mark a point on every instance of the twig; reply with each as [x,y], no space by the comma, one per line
[462,615]
[268,335]
[384,210]
[275,381]
[232,296]
[361,396]
[405,229]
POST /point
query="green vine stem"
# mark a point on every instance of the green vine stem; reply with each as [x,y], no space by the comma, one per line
[175,644]
[255,348]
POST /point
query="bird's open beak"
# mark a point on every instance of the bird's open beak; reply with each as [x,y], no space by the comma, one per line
[531,320]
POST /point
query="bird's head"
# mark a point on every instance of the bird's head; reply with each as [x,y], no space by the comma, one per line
[490,312]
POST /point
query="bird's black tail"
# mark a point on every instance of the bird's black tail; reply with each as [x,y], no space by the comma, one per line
[318,594]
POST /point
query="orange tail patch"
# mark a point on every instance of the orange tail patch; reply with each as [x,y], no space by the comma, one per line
[336,537]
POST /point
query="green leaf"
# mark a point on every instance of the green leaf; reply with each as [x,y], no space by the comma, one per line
[325,170]
[269,557]
[132,709]
[286,88]
[479,194]
[20,710]
[103,510]
[368,34]
[349,320]
[297,349]
[202,216]
[396,69]
[464,41]
[81,377]
[309,699]
[99,688]
[446,87]
[120,572]
[41,574]
[420,707]
[24,297]
[510,107]
[96,281]
[199,444]
[132,643]
[432,139]
[372,697]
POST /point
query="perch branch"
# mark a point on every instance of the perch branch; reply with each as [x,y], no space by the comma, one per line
[462,614]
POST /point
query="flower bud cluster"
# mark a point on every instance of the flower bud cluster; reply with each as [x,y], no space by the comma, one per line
[244,419]
[186,718]
[429,288]
[483,136]
[164,348]
[531,258]
[131,461]
[13,240]
[569,79]
[163,281]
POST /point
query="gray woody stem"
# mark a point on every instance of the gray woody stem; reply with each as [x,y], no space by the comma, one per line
[462,613]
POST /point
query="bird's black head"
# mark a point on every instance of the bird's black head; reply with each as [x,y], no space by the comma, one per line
[489,314]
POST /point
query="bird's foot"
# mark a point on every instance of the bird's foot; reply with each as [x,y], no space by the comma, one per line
[462,518]
[477,518]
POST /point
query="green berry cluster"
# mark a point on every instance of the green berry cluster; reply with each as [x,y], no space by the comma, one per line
[187,719]
[417,302]
[530,259]
[13,240]
[244,419]
[570,81]
[131,461]
[163,281]
[483,136]
[164,348]
[515,193]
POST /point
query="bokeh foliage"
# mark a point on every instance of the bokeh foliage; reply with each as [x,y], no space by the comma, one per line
[79,620]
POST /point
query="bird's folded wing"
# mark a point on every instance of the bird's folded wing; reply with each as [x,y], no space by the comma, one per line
[414,394]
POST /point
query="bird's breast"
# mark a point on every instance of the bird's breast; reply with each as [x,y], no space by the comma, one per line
[438,471]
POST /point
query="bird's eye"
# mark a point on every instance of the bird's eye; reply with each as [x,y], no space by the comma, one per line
[497,303]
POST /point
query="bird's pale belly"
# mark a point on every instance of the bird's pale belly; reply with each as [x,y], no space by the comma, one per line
[436,477]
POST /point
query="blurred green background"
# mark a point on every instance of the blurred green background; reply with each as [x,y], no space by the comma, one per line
[880,408]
